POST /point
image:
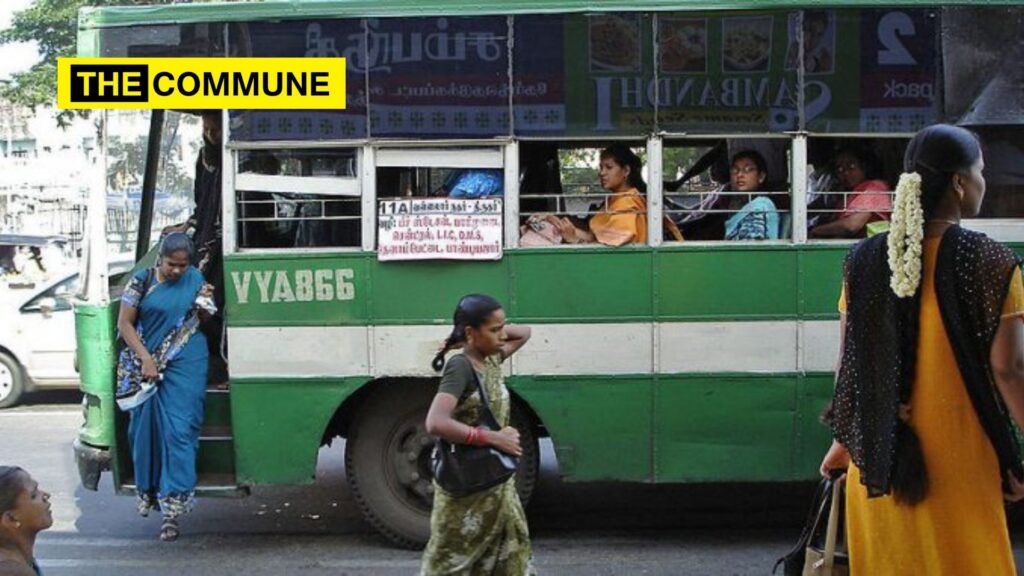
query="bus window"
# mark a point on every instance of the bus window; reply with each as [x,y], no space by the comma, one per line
[563,199]
[982,50]
[180,142]
[306,198]
[583,75]
[850,185]
[439,77]
[304,38]
[164,40]
[728,189]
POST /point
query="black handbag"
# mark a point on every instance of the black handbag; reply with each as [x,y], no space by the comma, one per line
[461,469]
[815,551]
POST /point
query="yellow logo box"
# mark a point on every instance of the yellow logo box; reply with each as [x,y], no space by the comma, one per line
[201,83]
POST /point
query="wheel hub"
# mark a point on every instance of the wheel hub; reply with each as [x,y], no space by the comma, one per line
[6,382]
[409,452]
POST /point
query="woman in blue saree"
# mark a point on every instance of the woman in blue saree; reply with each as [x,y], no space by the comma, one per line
[164,430]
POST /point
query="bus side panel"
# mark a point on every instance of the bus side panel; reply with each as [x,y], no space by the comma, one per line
[279,423]
[600,425]
[582,286]
[426,292]
[812,437]
[297,290]
[821,279]
[723,427]
[95,332]
[711,283]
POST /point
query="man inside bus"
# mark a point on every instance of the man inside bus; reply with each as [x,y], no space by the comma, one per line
[205,227]
[868,198]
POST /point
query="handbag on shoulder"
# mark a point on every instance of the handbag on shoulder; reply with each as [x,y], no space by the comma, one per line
[461,469]
[817,550]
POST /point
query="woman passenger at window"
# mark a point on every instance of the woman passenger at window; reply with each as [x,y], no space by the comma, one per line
[869,202]
[756,218]
[623,219]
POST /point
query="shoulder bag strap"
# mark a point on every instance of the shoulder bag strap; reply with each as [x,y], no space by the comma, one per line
[493,422]
[146,285]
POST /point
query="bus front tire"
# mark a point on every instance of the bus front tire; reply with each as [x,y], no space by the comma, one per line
[12,381]
[387,461]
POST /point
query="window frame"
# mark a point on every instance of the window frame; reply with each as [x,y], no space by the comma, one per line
[487,154]
[351,187]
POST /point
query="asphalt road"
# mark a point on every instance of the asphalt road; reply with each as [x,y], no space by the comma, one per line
[593,530]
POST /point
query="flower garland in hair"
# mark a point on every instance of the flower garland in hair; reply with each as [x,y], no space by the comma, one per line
[906,235]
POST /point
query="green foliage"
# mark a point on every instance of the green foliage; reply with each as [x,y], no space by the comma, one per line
[53,25]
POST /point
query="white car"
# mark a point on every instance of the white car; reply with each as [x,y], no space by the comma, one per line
[37,337]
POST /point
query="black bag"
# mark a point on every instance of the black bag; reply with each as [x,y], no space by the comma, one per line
[794,563]
[461,469]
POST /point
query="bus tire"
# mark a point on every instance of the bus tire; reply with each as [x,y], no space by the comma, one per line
[12,381]
[387,461]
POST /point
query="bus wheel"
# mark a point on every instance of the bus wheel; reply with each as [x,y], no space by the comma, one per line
[12,383]
[387,461]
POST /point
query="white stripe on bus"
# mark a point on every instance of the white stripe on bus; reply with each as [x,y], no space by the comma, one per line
[556,349]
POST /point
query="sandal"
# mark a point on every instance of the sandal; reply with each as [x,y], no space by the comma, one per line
[145,504]
[169,530]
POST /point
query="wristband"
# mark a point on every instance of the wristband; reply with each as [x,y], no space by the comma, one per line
[471,436]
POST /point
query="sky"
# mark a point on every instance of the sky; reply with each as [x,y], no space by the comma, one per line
[14,57]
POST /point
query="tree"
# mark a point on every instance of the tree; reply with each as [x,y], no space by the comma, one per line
[53,24]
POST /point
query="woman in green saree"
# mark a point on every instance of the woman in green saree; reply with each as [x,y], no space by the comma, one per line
[484,532]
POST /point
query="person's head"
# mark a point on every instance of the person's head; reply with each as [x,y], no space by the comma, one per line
[949,162]
[212,127]
[854,167]
[748,171]
[175,255]
[620,169]
[815,25]
[24,508]
[942,177]
[478,323]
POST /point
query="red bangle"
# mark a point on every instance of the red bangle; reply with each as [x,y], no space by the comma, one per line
[471,436]
[481,440]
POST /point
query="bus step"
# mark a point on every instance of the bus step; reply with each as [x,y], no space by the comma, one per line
[209,486]
[215,433]
[218,408]
[216,455]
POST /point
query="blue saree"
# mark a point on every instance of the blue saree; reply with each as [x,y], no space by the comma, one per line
[164,430]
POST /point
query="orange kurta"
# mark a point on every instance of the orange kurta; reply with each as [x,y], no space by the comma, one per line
[960,527]
[624,221]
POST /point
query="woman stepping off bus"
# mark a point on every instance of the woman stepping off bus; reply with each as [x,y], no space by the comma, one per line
[158,321]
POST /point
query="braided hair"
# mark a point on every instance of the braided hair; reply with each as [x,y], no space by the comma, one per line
[471,311]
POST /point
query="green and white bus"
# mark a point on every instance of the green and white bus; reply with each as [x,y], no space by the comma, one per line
[704,360]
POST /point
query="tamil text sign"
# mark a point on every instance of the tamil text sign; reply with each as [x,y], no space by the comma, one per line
[439,228]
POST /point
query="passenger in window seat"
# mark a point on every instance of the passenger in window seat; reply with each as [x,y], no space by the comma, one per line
[869,202]
[758,218]
[623,218]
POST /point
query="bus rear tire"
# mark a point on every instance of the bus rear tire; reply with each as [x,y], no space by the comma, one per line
[12,381]
[387,461]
